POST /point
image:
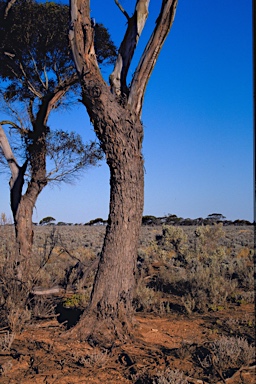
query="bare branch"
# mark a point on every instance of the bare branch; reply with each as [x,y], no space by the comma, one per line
[9,156]
[30,85]
[11,55]
[47,291]
[122,9]
[8,7]
[127,48]
[59,92]
[151,53]
[46,78]
[45,85]
[21,129]
[8,122]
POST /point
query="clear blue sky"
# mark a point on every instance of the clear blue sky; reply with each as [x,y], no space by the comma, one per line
[198,120]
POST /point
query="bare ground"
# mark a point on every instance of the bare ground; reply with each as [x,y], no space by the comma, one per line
[42,353]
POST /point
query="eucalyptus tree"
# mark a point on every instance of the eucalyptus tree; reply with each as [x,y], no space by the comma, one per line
[115,111]
[38,75]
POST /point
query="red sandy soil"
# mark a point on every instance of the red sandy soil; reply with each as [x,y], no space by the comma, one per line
[42,353]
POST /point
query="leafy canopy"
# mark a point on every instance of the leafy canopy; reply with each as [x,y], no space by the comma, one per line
[35,53]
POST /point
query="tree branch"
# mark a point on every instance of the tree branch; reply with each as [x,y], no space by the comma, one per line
[9,156]
[8,7]
[14,125]
[30,85]
[151,53]
[127,48]
[46,78]
[59,92]
[81,36]
[45,85]
[122,9]
[30,110]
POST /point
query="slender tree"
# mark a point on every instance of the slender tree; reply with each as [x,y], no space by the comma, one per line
[38,72]
[115,112]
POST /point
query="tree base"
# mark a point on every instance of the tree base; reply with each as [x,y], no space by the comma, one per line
[104,332]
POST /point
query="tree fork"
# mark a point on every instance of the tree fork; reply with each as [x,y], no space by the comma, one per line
[119,129]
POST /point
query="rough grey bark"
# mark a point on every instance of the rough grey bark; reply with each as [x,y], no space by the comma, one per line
[115,113]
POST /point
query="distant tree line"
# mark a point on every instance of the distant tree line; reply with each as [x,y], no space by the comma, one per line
[209,220]
[169,219]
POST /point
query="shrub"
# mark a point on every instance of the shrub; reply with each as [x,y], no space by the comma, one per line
[146,299]
[77,300]
[42,307]
[6,341]
[96,358]
[208,239]
[170,377]
[207,287]
[174,238]
[231,352]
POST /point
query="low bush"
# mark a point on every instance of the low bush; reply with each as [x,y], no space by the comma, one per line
[170,376]
[231,352]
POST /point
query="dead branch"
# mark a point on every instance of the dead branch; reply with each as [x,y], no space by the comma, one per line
[39,291]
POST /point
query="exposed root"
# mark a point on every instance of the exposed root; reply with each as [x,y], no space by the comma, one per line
[104,332]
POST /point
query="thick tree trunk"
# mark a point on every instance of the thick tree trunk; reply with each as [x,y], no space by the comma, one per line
[115,113]
[114,292]
[24,230]
[24,236]
[109,315]
[22,205]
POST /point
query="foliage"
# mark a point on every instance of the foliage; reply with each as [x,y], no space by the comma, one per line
[38,73]
[175,238]
[69,155]
[149,220]
[207,238]
[46,220]
[31,46]
[146,299]
[73,301]
[98,220]
[216,216]
[96,358]
[34,51]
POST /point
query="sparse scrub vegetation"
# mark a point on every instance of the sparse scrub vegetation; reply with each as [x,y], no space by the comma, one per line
[197,268]
[187,271]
